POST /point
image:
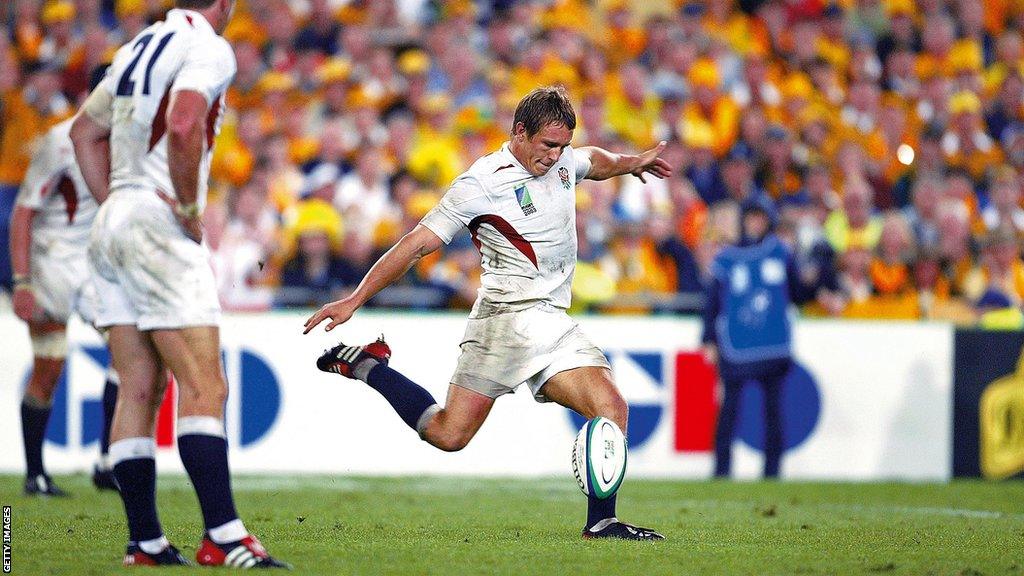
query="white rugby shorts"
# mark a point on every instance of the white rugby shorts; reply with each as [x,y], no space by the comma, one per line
[502,351]
[145,270]
[59,277]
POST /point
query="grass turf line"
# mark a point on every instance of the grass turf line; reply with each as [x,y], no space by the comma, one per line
[342,525]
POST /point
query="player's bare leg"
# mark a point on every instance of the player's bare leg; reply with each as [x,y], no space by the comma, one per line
[193,356]
[590,391]
[452,427]
[133,447]
[49,349]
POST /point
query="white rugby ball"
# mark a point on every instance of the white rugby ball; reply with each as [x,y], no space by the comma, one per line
[599,458]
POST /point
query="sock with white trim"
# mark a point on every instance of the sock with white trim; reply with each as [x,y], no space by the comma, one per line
[410,400]
[154,546]
[204,452]
[598,509]
[109,403]
[135,469]
[35,414]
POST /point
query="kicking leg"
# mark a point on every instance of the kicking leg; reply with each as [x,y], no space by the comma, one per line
[133,448]
[589,390]
[449,428]
[193,356]
[452,427]
[49,347]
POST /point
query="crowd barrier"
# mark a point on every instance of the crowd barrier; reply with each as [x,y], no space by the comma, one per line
[868,401]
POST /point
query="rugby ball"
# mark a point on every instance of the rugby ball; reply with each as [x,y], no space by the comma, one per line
[599,458]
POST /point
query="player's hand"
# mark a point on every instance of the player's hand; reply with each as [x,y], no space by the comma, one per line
[24,301]
[710,353]
[339,312]
[651,163]
[193,226]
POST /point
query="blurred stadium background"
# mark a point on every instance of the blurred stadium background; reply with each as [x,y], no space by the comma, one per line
[889,136]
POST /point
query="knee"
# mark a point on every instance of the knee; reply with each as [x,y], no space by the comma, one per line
[211,394]
[452,441]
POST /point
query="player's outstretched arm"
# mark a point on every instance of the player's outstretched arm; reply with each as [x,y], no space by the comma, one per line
[605,164]
[391,266]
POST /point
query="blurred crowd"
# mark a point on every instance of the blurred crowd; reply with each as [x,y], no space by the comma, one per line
[888,136]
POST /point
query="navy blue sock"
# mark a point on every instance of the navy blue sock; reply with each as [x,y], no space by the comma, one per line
[206,460]
[109,402]
[598,509]
[408,398]
[137,481]
[33,430]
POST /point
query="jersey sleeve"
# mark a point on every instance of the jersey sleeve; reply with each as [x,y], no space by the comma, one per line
[41,171]
[100,104]
[464,201]
[207,69]
[583,164]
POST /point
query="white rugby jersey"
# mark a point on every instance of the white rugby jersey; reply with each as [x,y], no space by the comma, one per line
[524,226]
[181,53]
[55,189]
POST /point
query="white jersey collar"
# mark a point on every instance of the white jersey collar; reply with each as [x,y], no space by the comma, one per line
[512,157]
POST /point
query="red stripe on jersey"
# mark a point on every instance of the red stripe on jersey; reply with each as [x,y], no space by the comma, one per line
[66,187]
[159,122]
[211,121]
[188,17]
[506,230]
[500,168]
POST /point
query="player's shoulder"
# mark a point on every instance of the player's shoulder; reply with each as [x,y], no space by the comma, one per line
[496,168]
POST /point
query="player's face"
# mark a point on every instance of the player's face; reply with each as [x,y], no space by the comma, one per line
[540,151]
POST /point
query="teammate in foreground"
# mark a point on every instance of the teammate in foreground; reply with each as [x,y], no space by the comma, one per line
[146,134]
[519,204]
[49,236]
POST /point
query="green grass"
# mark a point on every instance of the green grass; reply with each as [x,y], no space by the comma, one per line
[455,526]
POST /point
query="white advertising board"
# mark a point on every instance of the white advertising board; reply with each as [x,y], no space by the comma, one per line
[871,401]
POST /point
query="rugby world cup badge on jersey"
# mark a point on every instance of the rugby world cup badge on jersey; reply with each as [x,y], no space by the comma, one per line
[525,200]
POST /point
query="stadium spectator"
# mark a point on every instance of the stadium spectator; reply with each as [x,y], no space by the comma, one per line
[1001,273]
[890,269]
[1004,208]
[27,111]
[311,265]
[922,214]
[854,226]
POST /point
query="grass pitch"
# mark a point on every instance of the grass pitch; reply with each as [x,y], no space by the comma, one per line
[455,526]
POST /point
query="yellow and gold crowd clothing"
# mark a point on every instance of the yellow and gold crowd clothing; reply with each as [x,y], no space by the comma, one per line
[979,280]
[21,124]
[890,278]
[723,118]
